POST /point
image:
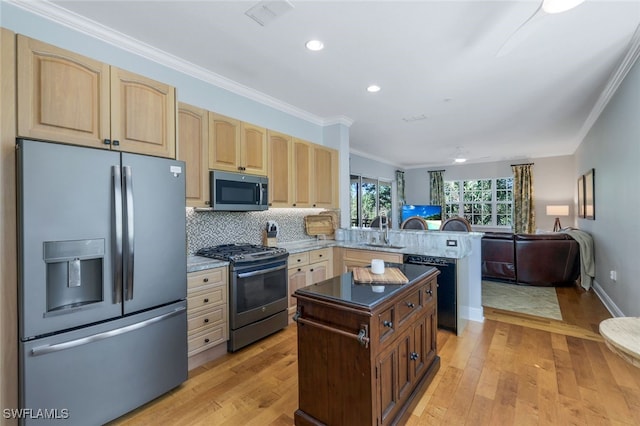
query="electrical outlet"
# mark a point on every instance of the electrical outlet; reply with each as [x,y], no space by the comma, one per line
[613,275]
[452,243]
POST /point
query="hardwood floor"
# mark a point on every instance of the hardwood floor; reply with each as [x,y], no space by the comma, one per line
[509,370]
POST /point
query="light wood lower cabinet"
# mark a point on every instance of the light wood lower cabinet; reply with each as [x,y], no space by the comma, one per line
[308,268]
[356,258]
[207,309]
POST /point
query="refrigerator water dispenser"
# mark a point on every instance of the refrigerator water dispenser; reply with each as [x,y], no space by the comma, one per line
[74,273]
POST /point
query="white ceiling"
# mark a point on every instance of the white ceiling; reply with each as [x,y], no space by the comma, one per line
[433,59]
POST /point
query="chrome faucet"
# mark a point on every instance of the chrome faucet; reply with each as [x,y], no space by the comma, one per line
[383,225]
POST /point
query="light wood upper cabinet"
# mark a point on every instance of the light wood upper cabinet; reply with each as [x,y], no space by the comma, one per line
[279,149]
[66,97]
[325,177]
[253,149]
[193,149]
[143,115]
[224,142]
[62,96]
[236,146]
[301,173]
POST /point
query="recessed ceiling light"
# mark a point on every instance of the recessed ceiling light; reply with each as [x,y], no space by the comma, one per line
[315,45]
[373,88]
[459,160]
[559,6]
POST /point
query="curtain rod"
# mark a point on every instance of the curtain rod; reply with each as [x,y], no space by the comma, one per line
[523,164]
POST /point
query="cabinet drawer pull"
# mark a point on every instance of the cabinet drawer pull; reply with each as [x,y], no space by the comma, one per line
[310,270]
[299,269]
[299,260]
[387,323]
[206,300]
[206,340]
[410,305]
[107,141]
[319,255]
[429,292]
[414,356]
[116,143]
[206,280]
[206,320]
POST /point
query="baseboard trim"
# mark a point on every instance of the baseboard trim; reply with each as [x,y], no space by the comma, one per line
[472,314]
[613,309]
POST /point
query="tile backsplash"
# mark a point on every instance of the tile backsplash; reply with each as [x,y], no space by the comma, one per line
[209,228]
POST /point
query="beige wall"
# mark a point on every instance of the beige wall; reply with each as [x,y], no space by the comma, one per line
[554,183]
[8,275]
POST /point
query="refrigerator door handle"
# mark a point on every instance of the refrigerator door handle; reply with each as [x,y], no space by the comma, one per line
[129,234]
[47,349]
[117,233]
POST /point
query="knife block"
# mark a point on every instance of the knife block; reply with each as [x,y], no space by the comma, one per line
[269,241]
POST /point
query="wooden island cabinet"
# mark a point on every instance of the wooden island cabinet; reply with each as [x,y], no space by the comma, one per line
[365,356]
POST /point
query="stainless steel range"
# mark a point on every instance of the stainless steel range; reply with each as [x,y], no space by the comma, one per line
[258,286]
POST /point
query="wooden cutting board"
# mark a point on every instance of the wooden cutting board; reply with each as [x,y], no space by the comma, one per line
[319,224]
[390,276]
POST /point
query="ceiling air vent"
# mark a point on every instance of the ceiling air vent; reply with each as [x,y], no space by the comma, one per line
[267,11]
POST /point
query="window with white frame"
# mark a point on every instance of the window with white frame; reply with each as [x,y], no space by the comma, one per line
[369,197]
[483,202]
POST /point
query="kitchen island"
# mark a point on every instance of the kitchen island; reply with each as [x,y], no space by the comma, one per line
[366,352]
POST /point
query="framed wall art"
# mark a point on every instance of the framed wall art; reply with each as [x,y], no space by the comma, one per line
[581,197]
[589,195]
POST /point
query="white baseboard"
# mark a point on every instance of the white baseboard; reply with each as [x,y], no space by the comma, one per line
[472,314]
[613,309]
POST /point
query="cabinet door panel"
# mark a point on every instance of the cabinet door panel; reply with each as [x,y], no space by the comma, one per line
[224,143]
[253,149]
[387,388]
[325,175]
[143,115]
[62,96]
[279,170]
[297,279]
[318,272]
[193,144]
[405,366]
[302,173]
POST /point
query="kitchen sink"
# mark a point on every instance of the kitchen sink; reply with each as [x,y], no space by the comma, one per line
[389,246]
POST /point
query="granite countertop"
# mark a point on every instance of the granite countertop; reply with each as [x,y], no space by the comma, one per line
[199,263]
[342,288]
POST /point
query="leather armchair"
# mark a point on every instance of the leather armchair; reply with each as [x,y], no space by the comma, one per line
[531,259]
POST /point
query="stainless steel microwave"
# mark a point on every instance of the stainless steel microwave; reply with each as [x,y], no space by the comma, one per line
[238,192]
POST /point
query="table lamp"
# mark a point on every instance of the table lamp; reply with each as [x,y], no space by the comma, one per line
[557,211]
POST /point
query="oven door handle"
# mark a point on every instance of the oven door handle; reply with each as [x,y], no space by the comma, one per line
[261,271]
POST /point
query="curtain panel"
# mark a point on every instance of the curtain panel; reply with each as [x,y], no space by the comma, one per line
[524,219]
[436,188]
[400,195]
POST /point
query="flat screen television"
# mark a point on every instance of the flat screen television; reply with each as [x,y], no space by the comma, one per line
[432,214]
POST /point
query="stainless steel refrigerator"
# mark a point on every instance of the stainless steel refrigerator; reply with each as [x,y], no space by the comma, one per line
[102,281]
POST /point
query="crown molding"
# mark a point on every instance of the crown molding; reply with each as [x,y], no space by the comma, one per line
[373,157]
[59,15]
[340,119]
[616,78]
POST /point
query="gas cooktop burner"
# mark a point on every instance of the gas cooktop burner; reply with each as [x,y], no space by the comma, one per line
[242,252]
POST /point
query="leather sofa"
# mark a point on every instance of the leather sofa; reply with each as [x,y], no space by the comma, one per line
[530,259]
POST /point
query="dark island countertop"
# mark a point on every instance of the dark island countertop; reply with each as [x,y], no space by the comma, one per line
[343,289]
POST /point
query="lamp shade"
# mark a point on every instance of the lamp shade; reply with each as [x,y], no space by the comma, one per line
[562,210]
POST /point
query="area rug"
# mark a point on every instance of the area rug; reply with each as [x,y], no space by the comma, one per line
[538,301]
